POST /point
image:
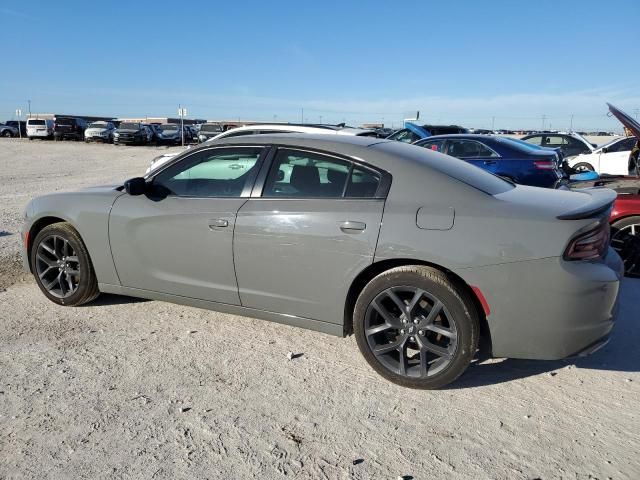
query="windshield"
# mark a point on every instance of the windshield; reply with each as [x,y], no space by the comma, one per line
[129,126]
[168,126]
[36,122]
[98,125]
[211,128]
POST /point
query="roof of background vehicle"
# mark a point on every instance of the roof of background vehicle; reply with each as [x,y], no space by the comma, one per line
[289,127]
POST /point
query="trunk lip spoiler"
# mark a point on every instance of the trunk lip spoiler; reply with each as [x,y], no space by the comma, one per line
[601,201]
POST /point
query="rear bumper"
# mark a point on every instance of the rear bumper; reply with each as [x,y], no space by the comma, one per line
[550,309]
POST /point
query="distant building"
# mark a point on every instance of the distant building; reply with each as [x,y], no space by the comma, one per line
[160,120]
[52,116]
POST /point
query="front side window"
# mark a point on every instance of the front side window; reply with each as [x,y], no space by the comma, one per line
[434,145]
[534,140]
[405,135]
[297,174]
[210,173]
[469,149]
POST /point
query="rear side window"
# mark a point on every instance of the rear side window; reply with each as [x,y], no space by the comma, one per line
[469,149]
[297,174]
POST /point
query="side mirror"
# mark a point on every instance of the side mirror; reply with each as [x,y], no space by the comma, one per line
[136,186]
[605,150]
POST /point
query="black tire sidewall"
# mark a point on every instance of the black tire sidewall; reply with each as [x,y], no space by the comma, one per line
[588,166]
[87,276]
[462,311]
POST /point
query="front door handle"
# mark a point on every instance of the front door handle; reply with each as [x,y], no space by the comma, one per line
[489,162]
[218,223]
[352,227]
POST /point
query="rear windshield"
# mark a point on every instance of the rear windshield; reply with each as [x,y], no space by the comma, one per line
[211,128]
[452,167]
[520,145]
[36,122]
[65,121]
[130,126]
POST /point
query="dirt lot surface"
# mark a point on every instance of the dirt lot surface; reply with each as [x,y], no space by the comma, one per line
[138,389]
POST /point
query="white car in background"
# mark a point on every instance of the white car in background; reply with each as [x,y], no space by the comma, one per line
[39,128]
[261,129]
[609,159]
[100,131]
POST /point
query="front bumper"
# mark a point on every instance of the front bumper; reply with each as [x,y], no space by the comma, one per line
[549,309]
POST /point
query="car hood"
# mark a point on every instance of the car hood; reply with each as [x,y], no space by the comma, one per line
[626,120]
[96,130]
[120,130]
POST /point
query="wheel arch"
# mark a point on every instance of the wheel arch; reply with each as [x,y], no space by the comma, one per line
[36,228]
[376,268]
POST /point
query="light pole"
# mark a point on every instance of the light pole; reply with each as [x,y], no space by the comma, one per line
[571,126]
[181,113]
[19,115]
[544,117]
[29,101]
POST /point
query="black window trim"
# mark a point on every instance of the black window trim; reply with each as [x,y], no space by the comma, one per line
[246,191]
[381,193]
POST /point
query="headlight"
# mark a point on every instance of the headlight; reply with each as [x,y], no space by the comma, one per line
[116,134]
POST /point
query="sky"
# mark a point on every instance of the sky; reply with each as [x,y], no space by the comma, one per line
[499,64]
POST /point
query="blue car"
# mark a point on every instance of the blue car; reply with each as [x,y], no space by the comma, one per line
[512,159]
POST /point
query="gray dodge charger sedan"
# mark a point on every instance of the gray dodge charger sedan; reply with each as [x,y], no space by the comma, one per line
[416,253]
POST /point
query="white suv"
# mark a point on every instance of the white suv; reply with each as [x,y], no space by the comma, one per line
[262,129]
[39,128]
[100,131]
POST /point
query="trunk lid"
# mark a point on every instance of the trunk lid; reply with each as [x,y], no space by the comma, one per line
[563,204]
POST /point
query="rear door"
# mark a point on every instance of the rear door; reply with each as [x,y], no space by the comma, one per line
[309,228]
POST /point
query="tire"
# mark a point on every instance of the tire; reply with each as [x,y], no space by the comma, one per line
[7,134]
[452,329]
[48,247]
[625,239]
[583,167]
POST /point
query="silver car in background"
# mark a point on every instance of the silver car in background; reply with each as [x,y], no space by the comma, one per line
[416,253]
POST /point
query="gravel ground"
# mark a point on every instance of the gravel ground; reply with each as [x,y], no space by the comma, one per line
[123,388]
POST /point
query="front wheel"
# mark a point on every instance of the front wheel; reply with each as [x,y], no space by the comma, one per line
[62,267]
[7,134]
[583,167]
[415,327]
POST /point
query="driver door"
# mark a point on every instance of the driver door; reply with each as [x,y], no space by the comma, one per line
[177,238]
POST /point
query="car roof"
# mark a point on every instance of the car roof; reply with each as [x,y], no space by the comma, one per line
[290,127]
[322,141]
[476,136]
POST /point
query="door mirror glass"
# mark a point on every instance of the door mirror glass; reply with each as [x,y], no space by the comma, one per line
[135,186]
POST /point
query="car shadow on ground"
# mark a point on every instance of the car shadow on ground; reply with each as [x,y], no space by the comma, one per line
[620,354]
[111,299]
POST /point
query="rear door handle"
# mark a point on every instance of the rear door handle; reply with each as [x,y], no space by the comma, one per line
[352,227]
[218,223]
[489,162]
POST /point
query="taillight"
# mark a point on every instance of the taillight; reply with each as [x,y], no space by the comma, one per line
[544,165]
[589,245]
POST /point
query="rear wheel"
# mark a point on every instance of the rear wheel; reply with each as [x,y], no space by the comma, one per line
[583,167]
[625,239]
[415,328]
[61,266]
[7,133]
